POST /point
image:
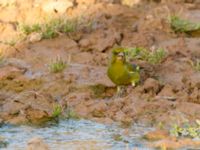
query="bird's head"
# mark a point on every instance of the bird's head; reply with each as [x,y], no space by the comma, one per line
[118,54]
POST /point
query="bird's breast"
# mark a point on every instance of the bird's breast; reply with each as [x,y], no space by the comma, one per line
[118,74]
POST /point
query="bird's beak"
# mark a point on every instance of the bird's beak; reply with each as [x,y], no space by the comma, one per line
[120,56]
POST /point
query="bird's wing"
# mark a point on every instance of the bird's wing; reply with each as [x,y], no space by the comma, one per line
[132,67]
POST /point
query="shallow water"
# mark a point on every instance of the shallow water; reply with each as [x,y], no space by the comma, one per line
[76,135]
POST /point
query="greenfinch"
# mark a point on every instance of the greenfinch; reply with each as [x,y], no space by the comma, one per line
[120,71]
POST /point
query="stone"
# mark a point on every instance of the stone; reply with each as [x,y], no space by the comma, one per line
[37,144]
[173,143]
[9,71]
[167,93]
[18,63]
[99,40]
[130,3]
[35,37]
[156,135]
[60,6]
[12,107]
[151,85]
[18,120]
[84,43]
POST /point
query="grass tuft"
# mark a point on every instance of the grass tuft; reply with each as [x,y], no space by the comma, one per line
[11,42]
[58,65]
[71,114]
[28,29]
[52,28]
[153,57]
[183,26]
[57,111]
[195,65]
[188,130]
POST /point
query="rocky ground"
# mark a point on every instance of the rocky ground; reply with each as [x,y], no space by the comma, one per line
[168,93]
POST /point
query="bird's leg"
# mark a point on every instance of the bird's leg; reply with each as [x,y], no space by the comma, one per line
[120,91]
[133,84]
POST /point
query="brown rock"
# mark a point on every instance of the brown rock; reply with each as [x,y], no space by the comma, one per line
[195,96]
[40,101]
[60,6]
[151,85]
[119,116]
[13,108]
[37,144]
[167,93]
[18,63]
[100,106]
[99,40]
[82,58]
[9,70]
[98,113]
[130,2]
[37,116]
[156,135]
[20,119]
[98,109]
[81,110]
[27,106]
[73,99]
[35,37]
[84,43]
[173,143]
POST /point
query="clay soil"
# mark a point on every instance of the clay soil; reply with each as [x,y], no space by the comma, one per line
[168,93]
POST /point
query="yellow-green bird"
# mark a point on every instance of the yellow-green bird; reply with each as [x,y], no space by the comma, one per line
[120,71]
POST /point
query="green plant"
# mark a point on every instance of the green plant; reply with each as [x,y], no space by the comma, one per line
[1,60]
[153,57]
[195,64]
[28,29]
[71,114]
[58,65]
[70,26]
[57,111]
[181,25]
[188,130]
[51,28]
[156,56]
[11,42]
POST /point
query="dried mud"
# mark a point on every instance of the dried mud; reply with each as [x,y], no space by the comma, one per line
[168,93]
